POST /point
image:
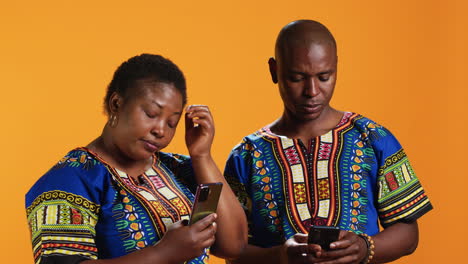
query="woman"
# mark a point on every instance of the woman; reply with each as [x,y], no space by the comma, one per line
[120,199]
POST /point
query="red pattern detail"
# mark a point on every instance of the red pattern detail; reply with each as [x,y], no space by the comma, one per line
[391,181]
[324,189]
[77,218]
[406,206]
[78,246]
[324,151]
[299,193]
[158,183]
[345,118]
[292,156]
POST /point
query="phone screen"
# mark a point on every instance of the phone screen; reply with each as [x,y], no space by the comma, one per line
[323,235]
[206,200]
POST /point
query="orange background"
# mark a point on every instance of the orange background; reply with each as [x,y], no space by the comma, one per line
[401,63]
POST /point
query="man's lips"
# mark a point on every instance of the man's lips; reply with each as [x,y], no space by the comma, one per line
[310,108]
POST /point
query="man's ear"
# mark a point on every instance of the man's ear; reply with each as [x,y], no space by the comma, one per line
[115,102]
[272,64]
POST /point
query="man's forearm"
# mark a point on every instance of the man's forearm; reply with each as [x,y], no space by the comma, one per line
[396,241]
[255,255]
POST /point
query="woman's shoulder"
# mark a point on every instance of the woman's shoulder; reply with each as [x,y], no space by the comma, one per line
[170,158]
[77,172]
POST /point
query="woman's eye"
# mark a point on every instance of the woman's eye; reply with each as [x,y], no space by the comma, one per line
[172,124]
[150,114]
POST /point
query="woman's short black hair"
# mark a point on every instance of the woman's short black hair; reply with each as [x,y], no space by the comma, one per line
[145,66]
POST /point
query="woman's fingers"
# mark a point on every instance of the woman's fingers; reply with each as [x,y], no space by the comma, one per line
[205,222]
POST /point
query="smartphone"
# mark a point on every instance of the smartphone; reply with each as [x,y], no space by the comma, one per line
[323,235]
[206,200]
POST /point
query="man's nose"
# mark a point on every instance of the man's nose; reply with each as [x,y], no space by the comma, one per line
[311,87]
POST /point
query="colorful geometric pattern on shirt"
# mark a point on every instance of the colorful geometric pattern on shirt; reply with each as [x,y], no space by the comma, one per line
[158,194]
[401,195]
[309,197]
[266,182]
[95,178]
[62,226]
[77,159]
[327,183]
[355,173]
[135,228]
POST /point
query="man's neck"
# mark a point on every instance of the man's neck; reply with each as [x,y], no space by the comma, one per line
[305,130]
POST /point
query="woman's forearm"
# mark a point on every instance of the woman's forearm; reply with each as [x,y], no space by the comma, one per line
[148,255]
[231,235]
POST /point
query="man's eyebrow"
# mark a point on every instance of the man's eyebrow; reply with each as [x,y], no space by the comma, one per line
[327,72]
[296,72]
[303,73]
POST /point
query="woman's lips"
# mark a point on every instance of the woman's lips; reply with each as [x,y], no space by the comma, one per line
[150,146]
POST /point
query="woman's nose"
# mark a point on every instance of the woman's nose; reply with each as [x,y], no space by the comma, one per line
[158,129]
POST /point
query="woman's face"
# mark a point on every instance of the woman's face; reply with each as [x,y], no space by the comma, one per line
[147,121]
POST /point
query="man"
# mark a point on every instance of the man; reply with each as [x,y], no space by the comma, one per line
[317,166]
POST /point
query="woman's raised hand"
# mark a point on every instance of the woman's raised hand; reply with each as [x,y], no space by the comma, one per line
[199,130]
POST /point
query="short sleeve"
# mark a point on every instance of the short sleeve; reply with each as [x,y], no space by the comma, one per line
[401,198]
[62,211]
[237,174]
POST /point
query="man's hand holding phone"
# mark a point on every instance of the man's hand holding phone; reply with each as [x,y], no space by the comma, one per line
[323,236]
[313,247]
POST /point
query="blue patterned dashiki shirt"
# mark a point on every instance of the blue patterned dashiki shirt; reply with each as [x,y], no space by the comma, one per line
[85,209]
[352,177]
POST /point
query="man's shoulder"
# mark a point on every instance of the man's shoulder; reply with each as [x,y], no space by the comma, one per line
[372,130]
[365,123]
[257,136]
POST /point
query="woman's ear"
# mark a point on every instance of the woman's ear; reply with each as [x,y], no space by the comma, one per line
[115,102]
[272,66]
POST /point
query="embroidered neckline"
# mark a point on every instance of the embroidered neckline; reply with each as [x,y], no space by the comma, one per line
[344,120]
[119,172]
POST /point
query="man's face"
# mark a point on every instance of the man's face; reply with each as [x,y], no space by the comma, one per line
[306,76]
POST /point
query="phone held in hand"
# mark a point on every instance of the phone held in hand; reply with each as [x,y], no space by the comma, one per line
[323,235]
[206,200]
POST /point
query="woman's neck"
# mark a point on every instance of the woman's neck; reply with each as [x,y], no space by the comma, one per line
[106,148]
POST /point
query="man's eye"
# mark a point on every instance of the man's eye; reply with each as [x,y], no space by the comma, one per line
[296,78]
[324,77]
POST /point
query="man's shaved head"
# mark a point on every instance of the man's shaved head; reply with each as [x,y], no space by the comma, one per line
[305,69]
[302,33]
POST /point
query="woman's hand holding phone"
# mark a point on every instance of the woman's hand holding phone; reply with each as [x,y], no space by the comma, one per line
[182,242]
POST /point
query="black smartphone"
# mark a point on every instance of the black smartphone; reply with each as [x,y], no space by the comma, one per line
[323,235]
[206,200]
